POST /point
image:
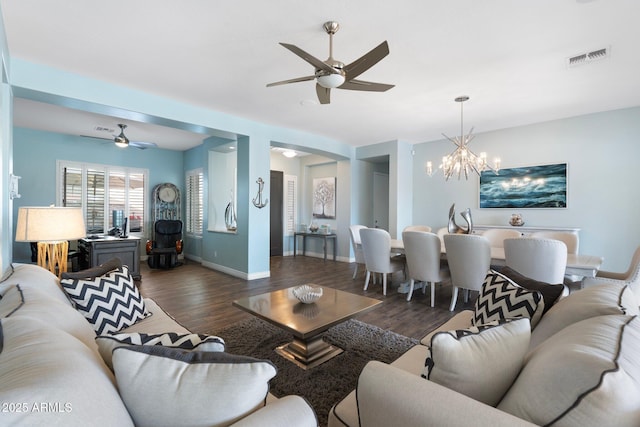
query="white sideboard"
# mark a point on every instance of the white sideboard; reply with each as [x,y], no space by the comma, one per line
[525,230]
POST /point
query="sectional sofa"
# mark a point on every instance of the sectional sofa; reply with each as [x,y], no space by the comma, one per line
[578,366]
[52,372]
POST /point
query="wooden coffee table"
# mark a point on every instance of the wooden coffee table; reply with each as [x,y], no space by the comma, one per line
[306,322]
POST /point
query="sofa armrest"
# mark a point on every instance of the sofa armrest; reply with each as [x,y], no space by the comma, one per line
[286,411]
[390,396]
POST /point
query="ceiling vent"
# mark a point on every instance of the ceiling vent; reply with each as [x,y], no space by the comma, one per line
[104,129]
[588,57]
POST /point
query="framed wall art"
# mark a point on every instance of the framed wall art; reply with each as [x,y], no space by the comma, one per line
[541,186]
[324,198]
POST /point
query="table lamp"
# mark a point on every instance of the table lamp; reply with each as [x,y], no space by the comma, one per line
[52,228]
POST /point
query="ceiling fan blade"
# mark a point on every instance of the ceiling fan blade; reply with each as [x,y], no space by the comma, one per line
[142,145]
[363,85]
[366,61]
[318,64]
[324,94]
[299,79]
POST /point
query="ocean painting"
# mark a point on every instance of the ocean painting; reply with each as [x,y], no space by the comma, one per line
[543,186]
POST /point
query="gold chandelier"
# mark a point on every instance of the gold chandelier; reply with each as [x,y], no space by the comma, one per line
[462,160]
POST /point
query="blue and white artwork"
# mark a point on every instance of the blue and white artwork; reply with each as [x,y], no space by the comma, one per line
[543,186]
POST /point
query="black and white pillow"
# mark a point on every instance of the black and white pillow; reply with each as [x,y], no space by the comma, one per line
[500,298]
[110,302]
[199,342]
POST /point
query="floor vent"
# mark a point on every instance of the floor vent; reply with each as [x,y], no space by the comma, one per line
[588,57]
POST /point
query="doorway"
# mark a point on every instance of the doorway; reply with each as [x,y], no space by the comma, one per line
[381,200]
[276,203]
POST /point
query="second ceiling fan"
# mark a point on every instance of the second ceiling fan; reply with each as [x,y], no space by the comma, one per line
[333,74]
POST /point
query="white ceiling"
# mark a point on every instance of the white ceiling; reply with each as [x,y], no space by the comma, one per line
[508,56]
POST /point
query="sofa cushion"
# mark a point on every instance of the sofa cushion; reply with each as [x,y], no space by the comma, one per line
[501,299]
[52,379]
[583,304]
[550,293]
[110,302]
[33,303]
[199,342]
[31,276]
[481,362]
[209,388]
[585,375]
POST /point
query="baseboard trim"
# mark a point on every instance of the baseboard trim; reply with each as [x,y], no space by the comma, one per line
[236,273]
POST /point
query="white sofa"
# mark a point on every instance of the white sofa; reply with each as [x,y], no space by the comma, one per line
[51,371]
[580,368]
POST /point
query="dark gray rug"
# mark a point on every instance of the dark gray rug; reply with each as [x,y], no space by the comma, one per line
[328,383]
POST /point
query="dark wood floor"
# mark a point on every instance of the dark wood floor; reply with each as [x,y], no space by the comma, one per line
[200,298]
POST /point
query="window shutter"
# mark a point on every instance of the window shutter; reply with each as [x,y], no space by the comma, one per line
[290,204]
[194,203]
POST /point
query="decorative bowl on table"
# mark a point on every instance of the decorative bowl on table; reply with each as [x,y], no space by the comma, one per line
[307,294]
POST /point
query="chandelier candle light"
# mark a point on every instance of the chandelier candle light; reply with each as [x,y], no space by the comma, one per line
[463,160]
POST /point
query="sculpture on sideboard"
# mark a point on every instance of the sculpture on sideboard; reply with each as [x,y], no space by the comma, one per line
[454,228]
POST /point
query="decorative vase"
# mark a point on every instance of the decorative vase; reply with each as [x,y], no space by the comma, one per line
[230,220]
[516,220]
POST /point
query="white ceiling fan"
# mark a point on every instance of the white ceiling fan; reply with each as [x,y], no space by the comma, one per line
[122,141]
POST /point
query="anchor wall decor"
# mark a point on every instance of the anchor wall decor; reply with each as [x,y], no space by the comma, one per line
[257,202]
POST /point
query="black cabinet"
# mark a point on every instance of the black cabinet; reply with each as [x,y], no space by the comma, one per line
[94,252]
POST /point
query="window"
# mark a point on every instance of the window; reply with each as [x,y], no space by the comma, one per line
[194,218]
[106,194]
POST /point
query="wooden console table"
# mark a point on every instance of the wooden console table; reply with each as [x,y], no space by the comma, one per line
[94,252]
[330,236]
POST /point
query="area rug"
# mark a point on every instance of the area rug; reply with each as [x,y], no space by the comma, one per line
[328,383]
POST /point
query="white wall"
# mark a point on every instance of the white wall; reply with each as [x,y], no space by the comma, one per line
[602,153]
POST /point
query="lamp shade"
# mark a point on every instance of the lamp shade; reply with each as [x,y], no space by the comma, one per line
[49,224]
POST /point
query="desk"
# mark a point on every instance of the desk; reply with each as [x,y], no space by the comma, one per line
[579,265]
[94,252]
[330,236]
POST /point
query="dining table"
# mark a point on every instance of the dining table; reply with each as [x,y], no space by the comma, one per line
[577,264]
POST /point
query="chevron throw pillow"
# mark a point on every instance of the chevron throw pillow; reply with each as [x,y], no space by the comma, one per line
[199,342]
[500,299]
[110,302]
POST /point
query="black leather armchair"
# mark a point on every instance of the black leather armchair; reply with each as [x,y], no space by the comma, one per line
[164,250]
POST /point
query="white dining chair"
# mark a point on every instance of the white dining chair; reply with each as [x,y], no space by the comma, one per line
[569,239]
[631,277]
[356,244]
[424,228]
[496,236]
[424,261]
[376,246]
[469,258]
[544,260]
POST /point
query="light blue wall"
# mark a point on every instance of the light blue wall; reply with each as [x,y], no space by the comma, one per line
[602,153]
[35,154]
[6,155]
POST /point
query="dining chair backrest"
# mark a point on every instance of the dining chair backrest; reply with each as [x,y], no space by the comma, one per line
[496,236]
[356,243]
[376,246]
[424,228]
[569,239]
[469,258]
[539,259]
[422,251]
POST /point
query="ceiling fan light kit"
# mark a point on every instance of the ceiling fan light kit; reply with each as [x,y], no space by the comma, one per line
[333,74]
[121,140]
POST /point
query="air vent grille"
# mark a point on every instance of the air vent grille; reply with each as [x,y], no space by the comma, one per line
[588,57]
[104,129]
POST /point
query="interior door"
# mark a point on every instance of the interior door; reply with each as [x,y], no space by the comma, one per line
[276,201]
[381,200]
